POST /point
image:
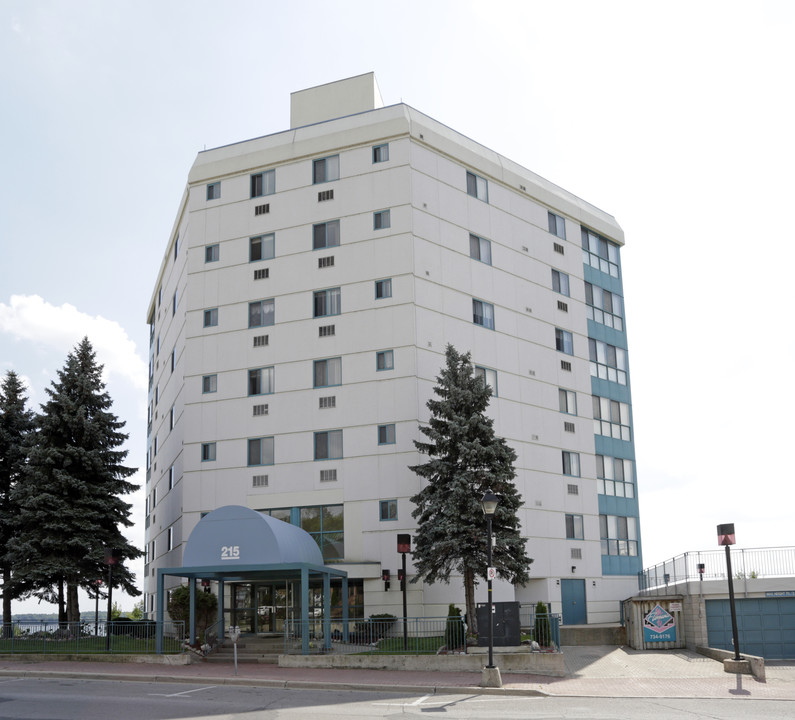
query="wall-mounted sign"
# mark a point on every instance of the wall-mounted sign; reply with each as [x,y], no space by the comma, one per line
[659,626]
[675,607]
[780,593]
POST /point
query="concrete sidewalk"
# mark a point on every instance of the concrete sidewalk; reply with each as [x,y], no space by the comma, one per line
[595,671]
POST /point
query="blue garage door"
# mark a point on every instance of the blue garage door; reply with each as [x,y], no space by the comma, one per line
[766,626]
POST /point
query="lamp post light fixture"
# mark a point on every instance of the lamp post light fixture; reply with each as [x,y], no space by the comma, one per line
[489,504]
[726,538]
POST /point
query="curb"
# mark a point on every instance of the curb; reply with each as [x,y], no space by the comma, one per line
[283,684]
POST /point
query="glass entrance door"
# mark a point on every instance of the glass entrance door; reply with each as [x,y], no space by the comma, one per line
[276,602]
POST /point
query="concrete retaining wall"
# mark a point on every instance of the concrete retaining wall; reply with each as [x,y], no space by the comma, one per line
[755,665]
[532,663]
[593,635]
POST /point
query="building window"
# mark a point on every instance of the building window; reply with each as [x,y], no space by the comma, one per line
[385,360]
[328,373]
[386,434]
[326,169]
[380,153]
[477,187]
[488,377]
[263,183]
[381,220]
[210,384]
[326,302]
[158,344]
[174,302]
[212,253]
[173,360]
[480,249]
[211,317]
[607,361]
[571,463]
[564,341]
[599,253]
[619,535]
[611,418]
[383,288]
[567,400]
[171,416]
[260,451]
[260,381]
[213,191]
[560,282]
[615,476]
[154,452]
[604,307]
[171,478]
[483,314]
[557,225]
[261,248]
[157,394]
[325,525]
[387,510]
[170,539]
[208,452]
[261,313]
[326,235]
[328,445]
[176,247]
[574,529]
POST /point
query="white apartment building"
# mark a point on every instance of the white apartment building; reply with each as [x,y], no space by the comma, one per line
[310,284]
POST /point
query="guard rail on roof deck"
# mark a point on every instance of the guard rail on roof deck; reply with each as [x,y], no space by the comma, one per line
[89,637]
[746,564]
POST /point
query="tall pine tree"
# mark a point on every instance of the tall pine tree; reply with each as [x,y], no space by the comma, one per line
[16,426]
[70,506]
[466,460]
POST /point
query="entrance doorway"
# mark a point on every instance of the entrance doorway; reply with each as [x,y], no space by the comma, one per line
[572,596]
[264,607]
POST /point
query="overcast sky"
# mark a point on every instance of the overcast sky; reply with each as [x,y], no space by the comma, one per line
[675,117]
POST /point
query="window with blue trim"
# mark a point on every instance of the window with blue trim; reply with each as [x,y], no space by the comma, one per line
[483,314]
[480,249]
[477,187]
[615,476]
[619,535]
[564,342]
[604,306]
[260,381]
[560,282]
[574,527]
[385,360]
[326,169]
[387,510]
[211,317]
[571,463]
[328,445]
[260,451]
[213,191]
[327,372]
[261,313]
[211,253]
[263,183]
[326,302]
[326,235]
[567,400]
[262,247]
[607,361]
[557,225]
[380,153]
[386,434]
[383,288]
[599,252]
[381,220]
[488,377]
[208,452]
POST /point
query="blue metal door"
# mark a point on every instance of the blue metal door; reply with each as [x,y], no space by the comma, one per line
[572,595]
[766,626]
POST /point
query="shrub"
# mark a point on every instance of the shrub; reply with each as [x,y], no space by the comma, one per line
[454,636]
[542,630]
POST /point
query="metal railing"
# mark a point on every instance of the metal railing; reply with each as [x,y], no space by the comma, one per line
[89,637]
[543,628]
[419,636]
[746,565]
[212,638]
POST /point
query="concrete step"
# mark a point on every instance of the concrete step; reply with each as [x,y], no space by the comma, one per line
[264,658]
[605,634]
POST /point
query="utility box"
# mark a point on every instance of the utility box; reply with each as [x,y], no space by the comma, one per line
[507,627]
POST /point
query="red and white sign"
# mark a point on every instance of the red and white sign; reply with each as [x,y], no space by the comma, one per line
[491,573]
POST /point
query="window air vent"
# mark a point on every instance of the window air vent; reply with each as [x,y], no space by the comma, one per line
[325,195]
[574,489]
[565,365]
[262,274]
[558,248]
[260,340]
[262,209]
[259,481]
[328,402]
[328,475]
[563,306]
[326,330]
[260,410]
[576,553]
[325,262]
[568,426]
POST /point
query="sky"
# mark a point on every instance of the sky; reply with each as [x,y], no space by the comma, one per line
[678,118]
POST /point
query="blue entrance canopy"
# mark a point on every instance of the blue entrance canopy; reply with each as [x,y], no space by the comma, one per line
[237,544]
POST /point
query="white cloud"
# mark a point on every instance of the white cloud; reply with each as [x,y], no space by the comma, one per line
[30,317]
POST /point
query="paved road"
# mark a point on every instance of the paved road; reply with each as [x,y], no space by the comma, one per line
[78,699]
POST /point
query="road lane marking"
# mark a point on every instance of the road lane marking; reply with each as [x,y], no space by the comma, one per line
[184,692]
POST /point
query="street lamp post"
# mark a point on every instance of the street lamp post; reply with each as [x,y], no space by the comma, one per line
[491,674]
[726,538]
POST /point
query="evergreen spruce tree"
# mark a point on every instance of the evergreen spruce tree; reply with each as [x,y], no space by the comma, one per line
[466,460]
[70,506]
[16,426]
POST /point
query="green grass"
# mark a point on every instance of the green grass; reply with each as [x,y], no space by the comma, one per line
[86,645]
[416,646]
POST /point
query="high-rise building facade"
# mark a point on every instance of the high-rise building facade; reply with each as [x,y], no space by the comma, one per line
[311,282]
